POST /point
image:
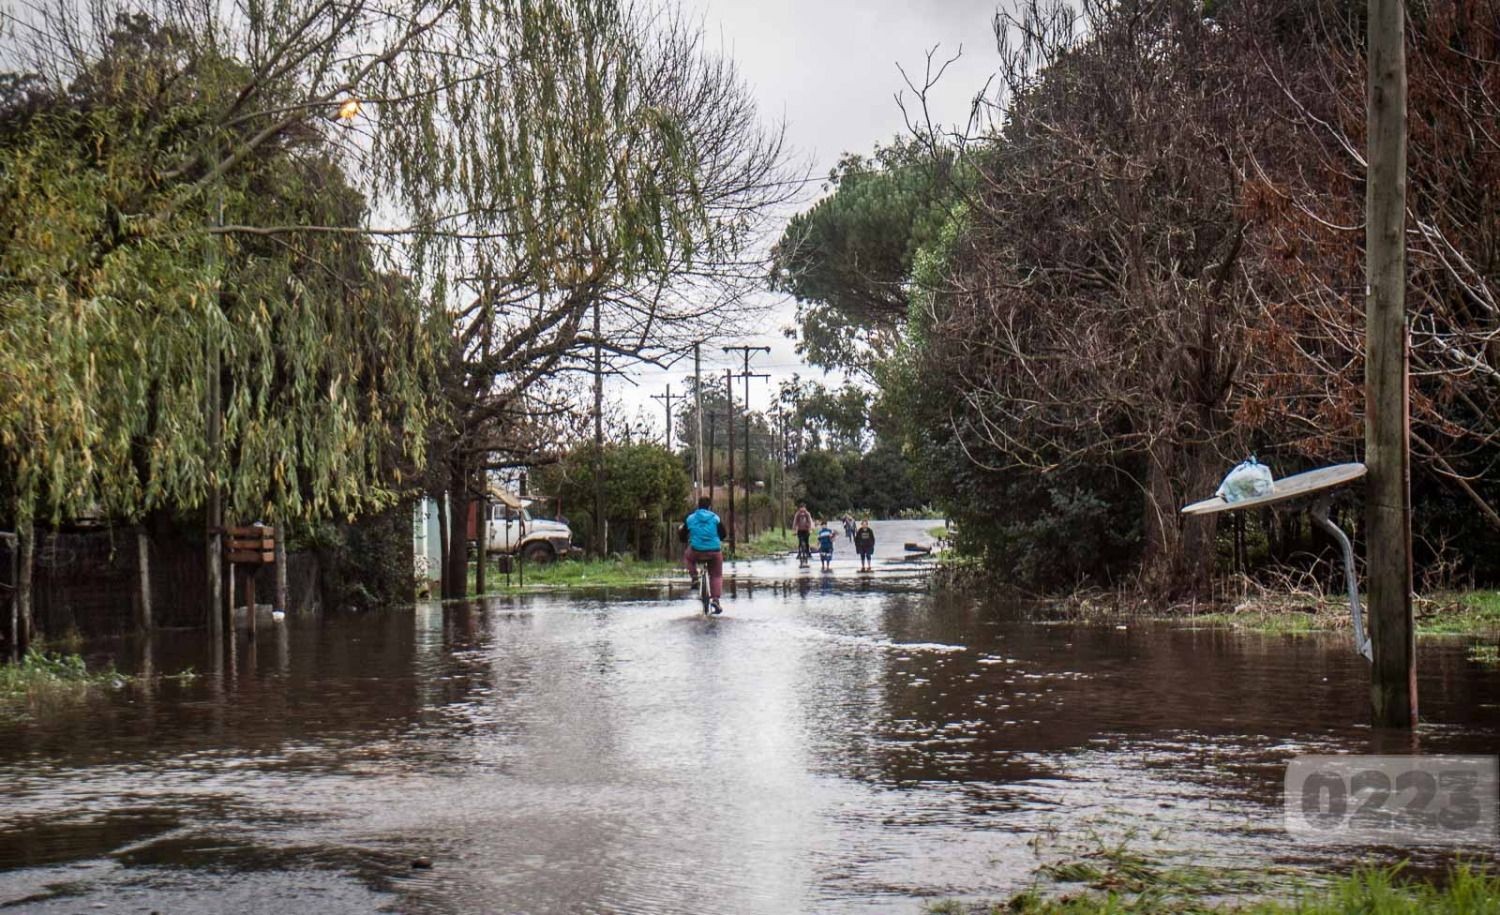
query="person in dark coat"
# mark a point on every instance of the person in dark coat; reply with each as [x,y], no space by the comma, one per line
[864,545]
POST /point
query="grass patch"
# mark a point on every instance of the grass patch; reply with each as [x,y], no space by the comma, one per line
[581,573]
[768,543]
[1128,884]
[940,532]
[1473,613]
[1464,613]
[1267,621]
[43,676]
[622,572]
[70,641]
[1487,655]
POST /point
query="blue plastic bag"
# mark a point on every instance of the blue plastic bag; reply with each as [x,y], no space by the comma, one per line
[1247,480]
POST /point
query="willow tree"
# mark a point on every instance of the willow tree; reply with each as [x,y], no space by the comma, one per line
[521,163]
[148,367]
[655,181]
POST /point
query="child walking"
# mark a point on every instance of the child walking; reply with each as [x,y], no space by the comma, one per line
[864,545]
[825,544]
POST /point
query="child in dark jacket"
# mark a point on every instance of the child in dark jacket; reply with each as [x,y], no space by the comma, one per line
[864,545]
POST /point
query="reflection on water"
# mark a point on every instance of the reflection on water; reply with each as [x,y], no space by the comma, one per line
[834,743]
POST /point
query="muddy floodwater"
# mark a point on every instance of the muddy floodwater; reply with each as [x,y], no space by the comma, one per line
[837,742]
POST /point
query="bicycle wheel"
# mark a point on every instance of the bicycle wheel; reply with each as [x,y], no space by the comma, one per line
[704,593]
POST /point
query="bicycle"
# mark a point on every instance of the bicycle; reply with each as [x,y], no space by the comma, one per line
[705,592]
[703,581]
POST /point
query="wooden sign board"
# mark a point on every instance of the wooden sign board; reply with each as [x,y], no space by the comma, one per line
[1292,487]
[251,545]
[246,557]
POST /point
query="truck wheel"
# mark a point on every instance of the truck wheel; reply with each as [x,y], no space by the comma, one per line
[538,552]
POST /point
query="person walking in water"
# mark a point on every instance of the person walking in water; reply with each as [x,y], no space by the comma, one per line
[864,545]
[825,545]
[802,523]
[704,534]
[848,526]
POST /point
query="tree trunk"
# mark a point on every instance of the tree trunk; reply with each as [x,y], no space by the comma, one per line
[1198,532]
[282,597]
[482,531]
[143,578]
[1159,564]
[457,557]
[13,637]
[26,546]
[442,512]
[1179,555]
[458,547]
[600,540]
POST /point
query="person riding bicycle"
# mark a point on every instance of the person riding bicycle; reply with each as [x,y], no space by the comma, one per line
[802,523]
[704,534]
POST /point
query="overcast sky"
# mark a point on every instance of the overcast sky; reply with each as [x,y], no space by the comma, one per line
[828,68]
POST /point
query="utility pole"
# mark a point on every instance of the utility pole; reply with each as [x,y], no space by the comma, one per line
[219,620]
[729,421]
[773,429]
[746,374]
[713,428]
[781,460]
[668,400]
[600,548]
[1393,675]
[698,409]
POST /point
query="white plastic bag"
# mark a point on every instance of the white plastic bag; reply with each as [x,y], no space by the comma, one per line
[1247,480]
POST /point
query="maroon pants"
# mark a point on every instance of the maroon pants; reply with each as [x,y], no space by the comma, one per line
[714,559]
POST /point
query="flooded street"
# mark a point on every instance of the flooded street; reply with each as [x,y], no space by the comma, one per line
[834,743]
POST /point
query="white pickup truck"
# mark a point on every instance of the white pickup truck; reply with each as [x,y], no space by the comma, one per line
[513,530]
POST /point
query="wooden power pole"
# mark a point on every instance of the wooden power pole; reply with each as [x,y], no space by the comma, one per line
[698,410]
[781,466]
[713,443]
[729,421]
[746,374]
[667,398]
[1393,681]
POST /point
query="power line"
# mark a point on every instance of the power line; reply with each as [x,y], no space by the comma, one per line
[667,399]
[746,374]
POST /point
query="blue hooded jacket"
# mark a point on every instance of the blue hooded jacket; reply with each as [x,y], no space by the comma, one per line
[704,531]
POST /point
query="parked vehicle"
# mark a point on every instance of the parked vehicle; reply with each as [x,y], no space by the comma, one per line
[513,531]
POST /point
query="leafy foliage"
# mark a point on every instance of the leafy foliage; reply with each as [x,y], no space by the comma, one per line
[41,675]
[882,482]
[640,481]
[835,419]
[118,306]
[1152,268]
[821,483]
[718,414]
[848,259]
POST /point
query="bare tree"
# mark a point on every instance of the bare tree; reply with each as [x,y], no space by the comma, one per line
[1094,315]
[1309,276]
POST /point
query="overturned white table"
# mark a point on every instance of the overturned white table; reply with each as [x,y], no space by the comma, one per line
[1317,483]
